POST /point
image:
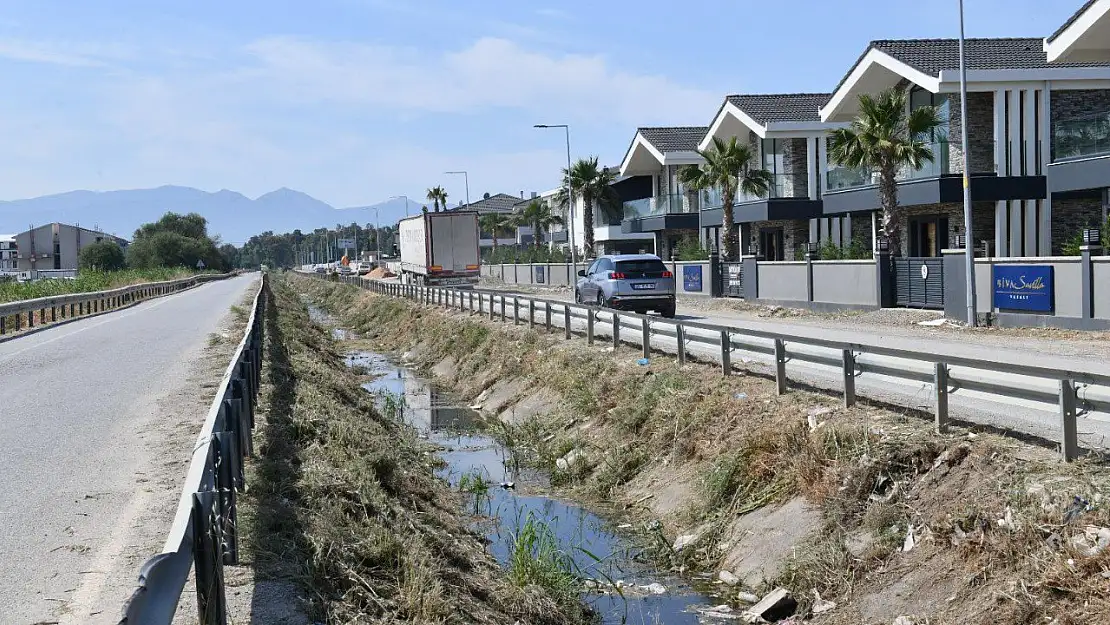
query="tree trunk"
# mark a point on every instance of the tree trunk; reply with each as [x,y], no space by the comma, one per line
[588,225]
[888,199]
[536,235]
[729,238]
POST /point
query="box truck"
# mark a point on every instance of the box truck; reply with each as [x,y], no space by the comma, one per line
[440,249]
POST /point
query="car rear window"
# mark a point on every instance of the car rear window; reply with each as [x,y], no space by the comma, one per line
[641,266]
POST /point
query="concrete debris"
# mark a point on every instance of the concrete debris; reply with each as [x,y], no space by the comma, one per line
[774,606]
[572,458]
[820,606]
[911,541]
[684,541]
[1093,541]
[475,407]
[727,577]
[819,411]
[655,588]
[746,597]
[933,323]
[904,620]
[721,612]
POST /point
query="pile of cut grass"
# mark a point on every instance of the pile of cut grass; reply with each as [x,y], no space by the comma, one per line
[345,501]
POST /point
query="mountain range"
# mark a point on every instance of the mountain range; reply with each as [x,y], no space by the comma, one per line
[231,215]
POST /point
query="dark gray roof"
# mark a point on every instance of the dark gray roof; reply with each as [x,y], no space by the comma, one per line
[932,56]
[781,107]
[1071,20]
[674,138]
[500,203]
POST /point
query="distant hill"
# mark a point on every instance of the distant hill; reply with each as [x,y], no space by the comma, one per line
[231,215]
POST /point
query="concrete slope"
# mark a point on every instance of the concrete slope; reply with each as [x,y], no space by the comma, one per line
[96,421]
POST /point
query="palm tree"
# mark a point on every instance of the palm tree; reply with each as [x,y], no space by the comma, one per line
[592,184]
[885,137]
[538,215]
[728,167]
[442,197]
[433,197]
[495,224]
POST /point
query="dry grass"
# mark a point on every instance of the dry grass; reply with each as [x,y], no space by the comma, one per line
[873,472]
[345,501]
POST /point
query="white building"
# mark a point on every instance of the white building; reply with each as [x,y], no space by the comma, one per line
[8,252]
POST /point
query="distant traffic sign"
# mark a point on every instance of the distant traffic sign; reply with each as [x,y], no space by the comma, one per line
[345,242]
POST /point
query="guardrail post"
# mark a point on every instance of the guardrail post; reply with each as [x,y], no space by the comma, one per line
[531,314]
[680,339]
[547,316]
[616,330]
[472,302]
[726,353]
[53,314]
[566,322]
[227,447]
[645,336]
[207,561]
[516,310]
[31,319]
[502,308]
[780,366]
[1069,434]
[849,361]
[590,314]
[940,384]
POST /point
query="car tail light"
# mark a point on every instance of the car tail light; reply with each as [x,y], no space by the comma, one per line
[436,268]
[471,267]
[667,274]
[616,275]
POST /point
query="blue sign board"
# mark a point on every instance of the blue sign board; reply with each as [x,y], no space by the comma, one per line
[691,278]
[539,275]
[1023,287]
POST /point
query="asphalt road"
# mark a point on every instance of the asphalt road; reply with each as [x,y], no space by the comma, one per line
[81,413]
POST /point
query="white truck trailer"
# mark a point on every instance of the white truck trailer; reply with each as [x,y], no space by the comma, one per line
[440,249]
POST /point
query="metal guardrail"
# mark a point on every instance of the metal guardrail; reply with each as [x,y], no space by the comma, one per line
[204,531]
[946,373]
[20,315]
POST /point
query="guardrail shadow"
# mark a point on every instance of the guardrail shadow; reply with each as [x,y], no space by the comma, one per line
[277,540]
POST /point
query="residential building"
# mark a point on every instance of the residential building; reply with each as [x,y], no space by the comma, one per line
[56,246]
[670,213]
[499,203]
[9,254]
[609,236]
[1079,169]
[1011,87]
[786,135]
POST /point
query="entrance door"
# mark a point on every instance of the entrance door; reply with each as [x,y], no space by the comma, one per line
[770,244]
[928,236]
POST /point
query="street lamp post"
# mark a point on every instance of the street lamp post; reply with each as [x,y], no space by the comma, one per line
[570,194]
[969,244]
[466,181]
[396,197]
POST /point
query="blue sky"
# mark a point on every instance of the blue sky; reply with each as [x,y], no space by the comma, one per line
[354,101]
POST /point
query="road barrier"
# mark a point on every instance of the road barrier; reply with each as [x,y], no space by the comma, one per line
[204,531]
[1069,390]
[18,316]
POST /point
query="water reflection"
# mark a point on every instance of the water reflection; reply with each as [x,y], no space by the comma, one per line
[598,550]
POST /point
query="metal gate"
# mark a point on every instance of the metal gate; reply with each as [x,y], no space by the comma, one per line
[732,279]
[919,282]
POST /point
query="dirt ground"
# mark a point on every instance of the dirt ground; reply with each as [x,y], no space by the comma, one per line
[863,507]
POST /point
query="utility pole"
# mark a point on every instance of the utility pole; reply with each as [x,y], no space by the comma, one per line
[969,240]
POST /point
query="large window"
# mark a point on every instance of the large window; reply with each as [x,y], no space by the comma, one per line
[920,97]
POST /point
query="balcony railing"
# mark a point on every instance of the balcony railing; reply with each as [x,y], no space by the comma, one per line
[662,205]
[1081,136]
[947,159]
[782,186]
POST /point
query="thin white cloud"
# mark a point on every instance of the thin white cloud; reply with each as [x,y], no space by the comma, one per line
[62,53]
[490,73]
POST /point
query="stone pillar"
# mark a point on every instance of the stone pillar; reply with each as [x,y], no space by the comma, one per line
[1087,310]
[884,279]
[751,278]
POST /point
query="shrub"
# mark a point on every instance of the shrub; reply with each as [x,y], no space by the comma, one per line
[102,256]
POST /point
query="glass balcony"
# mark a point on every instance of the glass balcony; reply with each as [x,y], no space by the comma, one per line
[662,205]
[782,186]
[947,160]
[1081,136]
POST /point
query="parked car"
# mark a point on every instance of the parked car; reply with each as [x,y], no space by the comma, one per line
[637,282]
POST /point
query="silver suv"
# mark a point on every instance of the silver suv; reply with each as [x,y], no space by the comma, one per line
[638,282]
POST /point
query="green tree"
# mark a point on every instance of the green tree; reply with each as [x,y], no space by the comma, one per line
[594,185]
[537,214]
[438,196]
[192,225]
[728,167]
[885,137]
[495,224]
[102,256]
[174,241]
